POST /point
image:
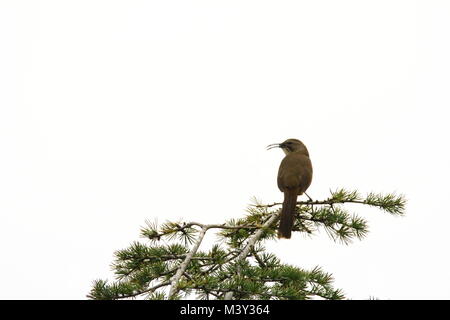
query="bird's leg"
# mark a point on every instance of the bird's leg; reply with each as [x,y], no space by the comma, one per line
[310,200]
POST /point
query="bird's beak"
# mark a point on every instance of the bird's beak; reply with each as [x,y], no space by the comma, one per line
[273,145]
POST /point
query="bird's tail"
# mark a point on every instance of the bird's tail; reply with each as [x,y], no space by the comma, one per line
[287,214]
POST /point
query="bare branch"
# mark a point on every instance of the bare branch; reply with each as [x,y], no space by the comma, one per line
[251,242]
[182,268]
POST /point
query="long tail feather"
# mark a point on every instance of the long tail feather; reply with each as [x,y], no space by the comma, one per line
[287,214]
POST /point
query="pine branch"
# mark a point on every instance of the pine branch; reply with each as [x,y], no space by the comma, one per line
[183,266]
[238,267]
[251,242]
[391,203]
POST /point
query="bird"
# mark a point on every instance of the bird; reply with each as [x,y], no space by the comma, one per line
[294,178]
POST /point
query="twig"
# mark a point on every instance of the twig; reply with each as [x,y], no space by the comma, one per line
[214,226]
[258,259]
[316,202]
[201,225]
[152,289]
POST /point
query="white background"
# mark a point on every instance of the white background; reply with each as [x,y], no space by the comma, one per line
[114,112]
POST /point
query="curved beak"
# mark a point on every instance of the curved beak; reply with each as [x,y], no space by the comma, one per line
[273,145]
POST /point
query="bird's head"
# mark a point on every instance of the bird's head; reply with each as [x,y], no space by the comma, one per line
[290,145]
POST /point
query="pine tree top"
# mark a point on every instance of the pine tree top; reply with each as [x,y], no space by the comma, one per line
[170,265]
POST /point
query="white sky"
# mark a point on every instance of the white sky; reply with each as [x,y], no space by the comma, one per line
[114,112]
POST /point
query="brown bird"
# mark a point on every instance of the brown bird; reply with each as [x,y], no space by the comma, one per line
[294,178]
